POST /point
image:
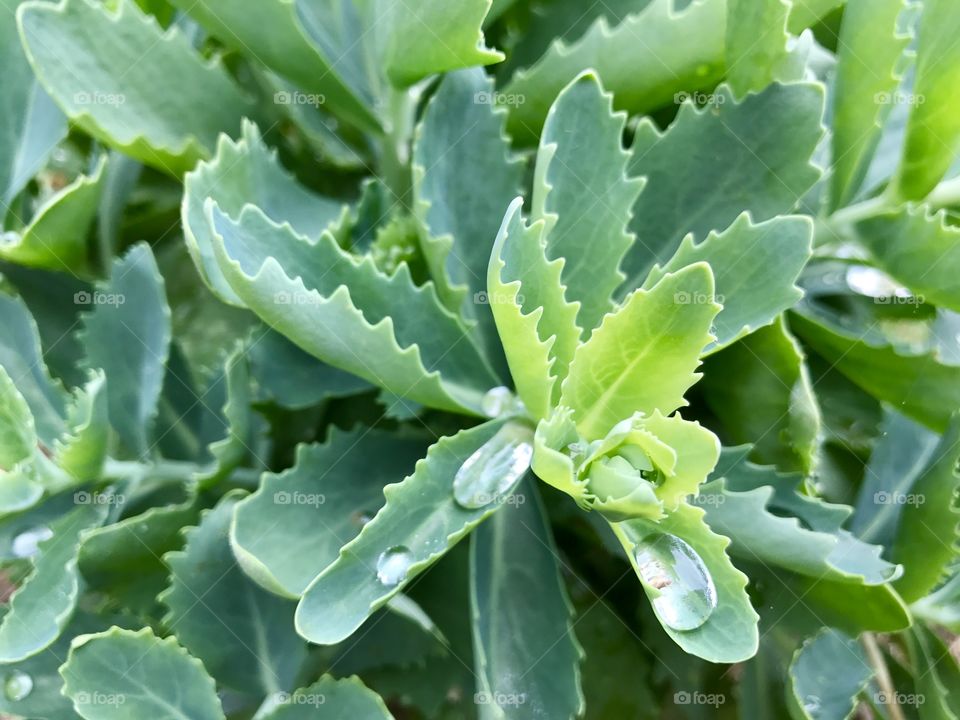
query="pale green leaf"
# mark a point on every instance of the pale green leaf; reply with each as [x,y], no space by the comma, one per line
[583,195]
[713,164]
[42,606]
[678,51]
[246,171]
[278,34]
[937,675]
[431,36]
[524,644]
[755,266]
[933,130]
[942,606]
[56,237]
[929,524]
[730,632]
[127,335]
[870,59]
[131,85]
[536,323]
[643,356]
[343,310]
[234,447]
[760,390]
[826,676]
[243,635]
[419,522]
[807,13]
[18,436]
[756,42]
[146,676]
[697,450]
[294,525]
[83,450]
[344,699]
[464,177]
[919,249]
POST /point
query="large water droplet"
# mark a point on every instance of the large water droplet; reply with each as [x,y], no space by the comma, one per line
[687,593]
[393,564]
[497,401]
[27,543]
[492,471]
[17,686]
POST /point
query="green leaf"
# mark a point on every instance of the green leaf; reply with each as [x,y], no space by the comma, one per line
[942,606]
[343,310]
[461,212]
[83,449]
[919,383]
[278,34]
[56,238]
[657,333]
[870,60]
[124,558]
[787,529]
[134,87]
[760,390]
[713,164]
[536,323]
[755,266]
[809,12]
[679,51]
[929,524]
[234,447]
[937,675]
[286,375]
[756,42]
[294,525]
[432,36]
[919,249]
[340,699]
[243,635]
[730,633]
[41,607]
[30,124]
[246,171]
[119,674]
[19,488]
[526,654]
[933,130]
[826,676]
[419,523]
[22,357]
[583,195]
[127,335]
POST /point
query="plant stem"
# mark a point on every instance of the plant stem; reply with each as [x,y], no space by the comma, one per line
[875,655]
[161,470]
[395,145]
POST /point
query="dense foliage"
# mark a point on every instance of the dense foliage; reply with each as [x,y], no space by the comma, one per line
[511,359]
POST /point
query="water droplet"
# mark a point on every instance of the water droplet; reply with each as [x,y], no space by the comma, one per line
[393,564]
[687,593]
[27,543]
[496,401]
[17,686]
[811,703]
[493,470]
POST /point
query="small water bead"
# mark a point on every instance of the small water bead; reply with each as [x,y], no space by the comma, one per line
[492,471]
[687,594]
[17,686]
[27,543]
[393,565]
[497,401]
